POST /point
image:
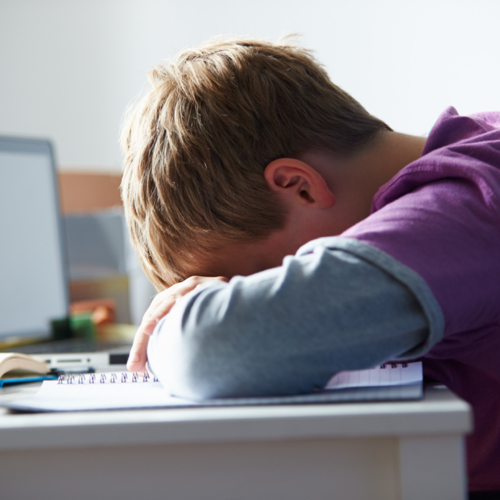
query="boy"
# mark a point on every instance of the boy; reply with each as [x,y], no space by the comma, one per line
[245,162]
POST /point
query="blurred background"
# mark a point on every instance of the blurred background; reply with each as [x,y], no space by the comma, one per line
[68,70]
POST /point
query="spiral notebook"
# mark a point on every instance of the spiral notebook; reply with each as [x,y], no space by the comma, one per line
[113,391]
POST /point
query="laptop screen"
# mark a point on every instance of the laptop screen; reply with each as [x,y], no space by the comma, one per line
[33,286]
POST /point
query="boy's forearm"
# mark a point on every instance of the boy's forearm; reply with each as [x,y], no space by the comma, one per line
[288,330]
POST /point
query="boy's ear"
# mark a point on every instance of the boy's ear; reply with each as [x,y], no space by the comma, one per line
[298,183]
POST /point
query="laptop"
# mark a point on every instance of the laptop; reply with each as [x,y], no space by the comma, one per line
[34,288]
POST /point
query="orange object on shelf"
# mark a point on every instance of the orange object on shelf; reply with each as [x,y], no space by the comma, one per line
[103,310]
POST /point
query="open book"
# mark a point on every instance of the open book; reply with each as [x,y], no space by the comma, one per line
[15,362]
[106,391]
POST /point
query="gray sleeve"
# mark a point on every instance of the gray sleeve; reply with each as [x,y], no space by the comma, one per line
[337,305]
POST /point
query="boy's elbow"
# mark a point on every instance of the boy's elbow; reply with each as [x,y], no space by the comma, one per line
[194,364]
[199,381]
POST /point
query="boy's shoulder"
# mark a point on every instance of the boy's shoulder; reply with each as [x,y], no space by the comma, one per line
[458,147]
[440,216]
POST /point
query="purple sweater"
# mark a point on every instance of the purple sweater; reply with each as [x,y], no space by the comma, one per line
[440,216]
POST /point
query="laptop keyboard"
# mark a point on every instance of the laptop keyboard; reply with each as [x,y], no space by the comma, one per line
[72,345]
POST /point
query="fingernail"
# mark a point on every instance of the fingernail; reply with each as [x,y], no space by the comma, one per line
[134,358]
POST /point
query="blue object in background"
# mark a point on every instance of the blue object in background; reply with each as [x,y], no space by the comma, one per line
[23,380]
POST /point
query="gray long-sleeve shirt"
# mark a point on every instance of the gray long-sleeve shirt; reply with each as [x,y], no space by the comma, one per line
[338,304]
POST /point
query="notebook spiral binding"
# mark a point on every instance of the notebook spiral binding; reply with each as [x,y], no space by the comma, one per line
[106,378]
[393,365]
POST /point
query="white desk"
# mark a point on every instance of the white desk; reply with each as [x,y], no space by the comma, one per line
[406,450]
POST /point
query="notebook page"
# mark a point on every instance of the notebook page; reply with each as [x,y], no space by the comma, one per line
[113,391]
[388,374]
[104,391]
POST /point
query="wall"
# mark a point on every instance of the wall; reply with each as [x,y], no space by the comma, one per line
[69,68]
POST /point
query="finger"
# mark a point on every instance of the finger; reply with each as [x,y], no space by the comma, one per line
[165,300]
[138,353]
[204,281]
[161,310]
[169,297]
[151,316]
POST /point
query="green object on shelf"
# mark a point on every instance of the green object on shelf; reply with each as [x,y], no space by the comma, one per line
[82,326]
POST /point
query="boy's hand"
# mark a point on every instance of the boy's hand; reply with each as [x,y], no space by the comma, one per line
[160,307]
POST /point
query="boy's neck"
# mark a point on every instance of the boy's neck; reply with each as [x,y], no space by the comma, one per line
[355,180]
[391,152]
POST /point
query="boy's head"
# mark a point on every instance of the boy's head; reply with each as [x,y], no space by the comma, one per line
[196,147]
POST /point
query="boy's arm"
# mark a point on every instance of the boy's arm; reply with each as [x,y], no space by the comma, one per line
[287,330]
[160,306]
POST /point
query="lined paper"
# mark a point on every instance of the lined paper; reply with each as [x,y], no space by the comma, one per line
[380,376]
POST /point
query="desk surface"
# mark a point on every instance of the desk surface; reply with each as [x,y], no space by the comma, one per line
[354,451]
[440,412]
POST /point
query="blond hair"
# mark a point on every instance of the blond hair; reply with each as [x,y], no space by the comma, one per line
[197,144]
